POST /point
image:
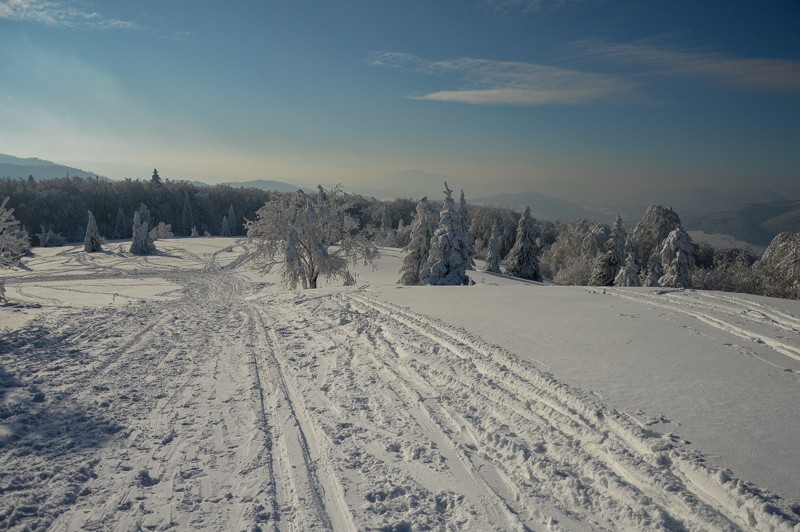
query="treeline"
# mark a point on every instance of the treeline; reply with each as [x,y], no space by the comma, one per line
[61,206]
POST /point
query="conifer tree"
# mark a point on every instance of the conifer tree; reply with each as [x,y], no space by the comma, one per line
[91,242]
[225,229]
[654,271]
[677,257]
[464,210]
[422,229]
[119,226]
[233,224]
[523,259]
[629,274]
[187,216]
[449,257]
[616,245]
[493,259]
[603,271]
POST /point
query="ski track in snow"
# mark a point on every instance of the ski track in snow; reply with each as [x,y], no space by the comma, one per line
[741,317]
[233,409]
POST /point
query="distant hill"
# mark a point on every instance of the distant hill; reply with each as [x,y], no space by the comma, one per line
[542,206]
[703,199]
[757,223]
[40,169]
[264,184]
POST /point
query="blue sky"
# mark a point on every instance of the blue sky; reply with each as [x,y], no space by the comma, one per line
[497,94]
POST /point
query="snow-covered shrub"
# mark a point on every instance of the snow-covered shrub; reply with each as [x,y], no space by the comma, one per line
[161,232]
[779,267]
[523,259]
[422,229]
[50,239]
[194,233]
[308,237]
[92,242]
[14,242]
[141,242]
[449,255]
[731,271]
[571,258]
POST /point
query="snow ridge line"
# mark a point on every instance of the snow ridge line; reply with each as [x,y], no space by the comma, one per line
[335,515]
[777,345]
[751,509]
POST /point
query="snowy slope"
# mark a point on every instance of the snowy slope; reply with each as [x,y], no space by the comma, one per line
[184,390]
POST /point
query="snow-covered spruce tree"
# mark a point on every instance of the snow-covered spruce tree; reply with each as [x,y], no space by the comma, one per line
[629,274]
[523,259]
[677,257]
[607,265]
[448,258]
[648,236]
[120,229]
[778,269]
[14,242]
[493,257]
[422,229]
[463,209]
[308,238]
[603,270]
[141,243]
[653,272]
[233,223]
[187,216]
[91,242]
[225,228]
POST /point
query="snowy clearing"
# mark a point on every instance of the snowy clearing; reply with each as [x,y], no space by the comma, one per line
[183,390]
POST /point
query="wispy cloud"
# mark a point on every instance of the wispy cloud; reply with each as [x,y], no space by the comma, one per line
[762,74]
[59,13]
[525,7]
[506,83]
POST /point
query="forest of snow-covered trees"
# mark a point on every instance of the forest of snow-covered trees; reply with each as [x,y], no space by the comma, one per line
[440,238]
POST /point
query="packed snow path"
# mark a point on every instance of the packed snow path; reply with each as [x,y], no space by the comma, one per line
[239,408]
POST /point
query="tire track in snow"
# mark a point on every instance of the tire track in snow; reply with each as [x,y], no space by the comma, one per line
[633,451]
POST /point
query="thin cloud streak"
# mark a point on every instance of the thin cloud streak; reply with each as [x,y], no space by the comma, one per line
[506,83]
[58,13]
[760,74]
[525,7]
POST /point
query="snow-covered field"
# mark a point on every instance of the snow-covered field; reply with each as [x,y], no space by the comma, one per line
[184,390]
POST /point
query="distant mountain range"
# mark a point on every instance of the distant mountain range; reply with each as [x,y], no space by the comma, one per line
[18,167]
[754,216]
[264,184]
[543,206]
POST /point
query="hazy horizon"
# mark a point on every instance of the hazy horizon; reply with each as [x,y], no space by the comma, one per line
[498,95]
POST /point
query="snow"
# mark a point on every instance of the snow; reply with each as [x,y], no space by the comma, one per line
[204,396]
